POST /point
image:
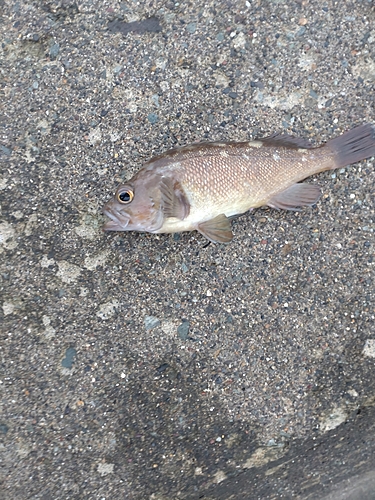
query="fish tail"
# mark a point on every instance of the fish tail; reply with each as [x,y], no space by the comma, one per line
[353,146]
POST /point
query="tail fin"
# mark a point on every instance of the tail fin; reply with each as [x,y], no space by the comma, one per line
[353,146]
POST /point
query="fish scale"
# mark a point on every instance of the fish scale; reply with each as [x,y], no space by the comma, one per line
[201,186]
[243,179]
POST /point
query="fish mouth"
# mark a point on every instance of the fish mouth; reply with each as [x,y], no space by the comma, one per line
[117,222]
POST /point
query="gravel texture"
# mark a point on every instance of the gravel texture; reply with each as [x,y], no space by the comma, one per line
[154,366]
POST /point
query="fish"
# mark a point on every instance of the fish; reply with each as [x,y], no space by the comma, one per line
[203,186]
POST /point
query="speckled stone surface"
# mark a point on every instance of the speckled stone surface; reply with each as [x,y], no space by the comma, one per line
[142,366]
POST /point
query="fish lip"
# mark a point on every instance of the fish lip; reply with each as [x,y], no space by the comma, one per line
[117,222]
[111,225]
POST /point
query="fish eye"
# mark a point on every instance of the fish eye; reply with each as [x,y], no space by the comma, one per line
[125,196]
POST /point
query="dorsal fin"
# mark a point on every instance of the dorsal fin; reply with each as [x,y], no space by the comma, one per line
[286,141]
[203,148]
[231,148]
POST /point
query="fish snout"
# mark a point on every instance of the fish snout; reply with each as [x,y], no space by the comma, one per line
[119,221]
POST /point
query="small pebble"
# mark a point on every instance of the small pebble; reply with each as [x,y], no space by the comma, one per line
[152,118]
[162,368]
[184,268]
[5,150]
[191,27]
[70,354]
[151,322]
[4,428]
[183,330]
[155,100]
[54,50]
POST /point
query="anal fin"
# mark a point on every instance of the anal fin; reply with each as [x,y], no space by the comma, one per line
[298,195]
[217,230]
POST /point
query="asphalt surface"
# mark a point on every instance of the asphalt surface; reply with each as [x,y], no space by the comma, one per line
[144,366]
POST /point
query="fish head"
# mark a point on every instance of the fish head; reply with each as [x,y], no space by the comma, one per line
[135,207]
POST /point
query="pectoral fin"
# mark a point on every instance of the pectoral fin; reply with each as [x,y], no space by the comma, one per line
[217,230]
[174,201]
[298,195]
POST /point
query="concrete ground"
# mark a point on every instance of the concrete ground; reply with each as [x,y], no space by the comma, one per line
[137,366]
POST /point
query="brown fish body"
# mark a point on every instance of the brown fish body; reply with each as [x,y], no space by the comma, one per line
[199,187]
[230,179]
